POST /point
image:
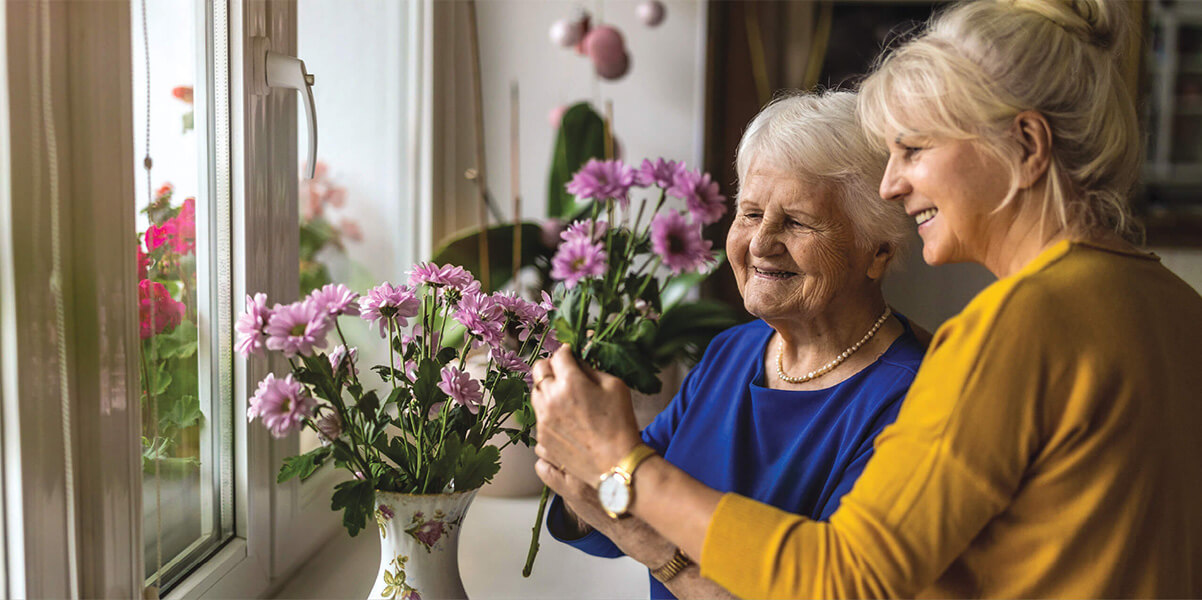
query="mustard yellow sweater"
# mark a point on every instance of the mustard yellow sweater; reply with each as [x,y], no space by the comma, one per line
[1051,446]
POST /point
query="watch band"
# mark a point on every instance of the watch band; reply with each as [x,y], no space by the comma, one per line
[672,568]
[634,458]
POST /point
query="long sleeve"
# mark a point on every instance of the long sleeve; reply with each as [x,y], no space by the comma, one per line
[948,465]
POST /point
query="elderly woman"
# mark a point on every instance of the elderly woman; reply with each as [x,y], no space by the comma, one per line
[1049,445]
[783,409]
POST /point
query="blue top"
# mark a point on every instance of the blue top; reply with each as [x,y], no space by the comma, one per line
[800,451]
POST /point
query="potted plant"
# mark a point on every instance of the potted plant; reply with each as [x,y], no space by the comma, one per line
[417,446]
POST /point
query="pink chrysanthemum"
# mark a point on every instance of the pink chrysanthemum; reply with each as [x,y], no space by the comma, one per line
[678,242]
[577,260]
[251,324]
[282,405]
[340,359]
[515,308]
[446,275]
[464,390]
[602,180]
[157,310]
[385,303]
[480,315]
[700,194]
[336,299]
[580,230]
[297,328]
[510,361]
[661,172]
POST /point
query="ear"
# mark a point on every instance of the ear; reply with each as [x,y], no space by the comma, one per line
[1034,136]
[880,261]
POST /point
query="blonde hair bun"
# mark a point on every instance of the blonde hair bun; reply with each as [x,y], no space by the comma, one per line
[1100,23]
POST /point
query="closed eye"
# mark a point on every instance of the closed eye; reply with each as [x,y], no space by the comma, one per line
[909,152]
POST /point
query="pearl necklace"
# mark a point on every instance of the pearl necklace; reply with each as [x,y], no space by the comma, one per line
[780,353]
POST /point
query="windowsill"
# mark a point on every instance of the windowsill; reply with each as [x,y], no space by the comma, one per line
[492,551]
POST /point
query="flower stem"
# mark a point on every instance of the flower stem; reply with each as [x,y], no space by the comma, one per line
[538,527]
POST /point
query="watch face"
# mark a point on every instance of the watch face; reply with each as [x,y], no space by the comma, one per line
[614,494]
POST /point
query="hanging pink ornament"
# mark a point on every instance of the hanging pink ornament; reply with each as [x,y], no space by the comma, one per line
[566,33]
[651,12]
[605,46]
[555,117]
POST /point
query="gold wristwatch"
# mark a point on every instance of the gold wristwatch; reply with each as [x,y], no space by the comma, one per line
[672,568]
[616,491]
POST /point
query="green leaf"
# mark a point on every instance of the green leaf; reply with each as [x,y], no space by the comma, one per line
[463,249]
[476,467]
[369,404]
[179,342]
[581,136]
[443,467]
[356,499]
[180,411]
[446,355]
[628,363]
[425,389]
[686,329]
[525,416]
[678,286]
[509,395]
[303,465]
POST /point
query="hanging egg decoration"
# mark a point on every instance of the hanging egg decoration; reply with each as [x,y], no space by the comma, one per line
[604,45]
[566,33]
[650,12]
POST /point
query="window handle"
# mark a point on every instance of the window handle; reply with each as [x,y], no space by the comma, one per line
[289,72]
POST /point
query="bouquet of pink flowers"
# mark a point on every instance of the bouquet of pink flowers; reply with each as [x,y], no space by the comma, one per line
[428,429]
[610,303]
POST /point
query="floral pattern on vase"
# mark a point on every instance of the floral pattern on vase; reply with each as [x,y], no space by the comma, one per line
[419,544]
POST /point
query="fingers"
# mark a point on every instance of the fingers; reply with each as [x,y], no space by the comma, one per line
[564,363]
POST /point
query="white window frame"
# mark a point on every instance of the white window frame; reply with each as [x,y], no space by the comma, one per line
[99,548]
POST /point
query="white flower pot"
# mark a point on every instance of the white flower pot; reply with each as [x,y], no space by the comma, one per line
[419,545]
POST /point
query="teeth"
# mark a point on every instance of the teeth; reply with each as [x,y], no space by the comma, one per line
[926,215]
[773,273]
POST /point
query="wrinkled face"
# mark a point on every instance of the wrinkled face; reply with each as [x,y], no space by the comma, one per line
[791,246]
[951,189]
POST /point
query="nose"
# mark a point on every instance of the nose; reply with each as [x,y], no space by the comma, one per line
[893,185]
[766,240]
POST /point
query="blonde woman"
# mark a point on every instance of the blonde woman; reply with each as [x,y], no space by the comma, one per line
[1049,444]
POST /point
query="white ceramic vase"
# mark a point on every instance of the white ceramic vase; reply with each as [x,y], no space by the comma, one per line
[419,545]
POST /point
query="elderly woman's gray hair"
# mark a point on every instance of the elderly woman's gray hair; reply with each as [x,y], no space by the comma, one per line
[818,137]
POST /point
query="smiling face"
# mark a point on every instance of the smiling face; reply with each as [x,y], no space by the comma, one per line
[793,249]
[951,189]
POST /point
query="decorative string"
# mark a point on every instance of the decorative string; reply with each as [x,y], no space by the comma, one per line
[148,164]
[56,290]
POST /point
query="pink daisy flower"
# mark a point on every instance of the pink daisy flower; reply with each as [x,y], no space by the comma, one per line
[580,230]
[602,180]
[577,260]
[661,172]
[700,194]
[446,275]
[329,427]
[337,299]
[480,315]
[464,390]
[387,302]
[341,359]
[297,328]
[282,405]
[251,324]
[678,243]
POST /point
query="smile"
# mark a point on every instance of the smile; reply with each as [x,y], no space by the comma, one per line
[926,215]
[767,274]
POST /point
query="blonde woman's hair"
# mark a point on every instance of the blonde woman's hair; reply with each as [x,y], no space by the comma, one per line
[978,64]
[819,138]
